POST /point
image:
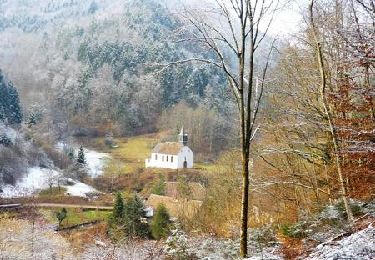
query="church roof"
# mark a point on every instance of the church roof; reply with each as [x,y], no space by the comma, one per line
[168,148]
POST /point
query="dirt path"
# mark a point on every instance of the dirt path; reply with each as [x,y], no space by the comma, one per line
[57,205]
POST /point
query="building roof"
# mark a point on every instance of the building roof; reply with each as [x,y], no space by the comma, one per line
[168,148]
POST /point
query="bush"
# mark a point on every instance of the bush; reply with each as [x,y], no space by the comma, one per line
[297,230]
[158,186]
[355,206]
[264,235]
[176,246]
[160,223]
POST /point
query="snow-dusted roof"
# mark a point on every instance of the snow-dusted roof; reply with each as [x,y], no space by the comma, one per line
[168,148]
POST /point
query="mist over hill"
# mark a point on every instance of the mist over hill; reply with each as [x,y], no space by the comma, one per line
[91,62]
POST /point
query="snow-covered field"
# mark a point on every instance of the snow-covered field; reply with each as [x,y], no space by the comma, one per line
[79,189]
[95,161]
[37,179]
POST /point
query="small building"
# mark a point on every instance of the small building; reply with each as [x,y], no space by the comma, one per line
[172,155]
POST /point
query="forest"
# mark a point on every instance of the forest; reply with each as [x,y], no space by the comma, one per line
[282,126]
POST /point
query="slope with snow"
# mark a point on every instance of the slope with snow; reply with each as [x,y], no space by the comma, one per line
[360,245]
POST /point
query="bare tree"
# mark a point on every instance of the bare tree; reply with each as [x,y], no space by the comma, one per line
[327,110]
[233,31]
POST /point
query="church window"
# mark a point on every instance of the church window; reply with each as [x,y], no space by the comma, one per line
[171,159]
[156,157]
[162,158]
[167,158]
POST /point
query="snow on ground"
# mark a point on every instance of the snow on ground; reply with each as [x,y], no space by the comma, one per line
[360,245]
[37,179]
[8,132]
[95,160]
[210,248]
[21,240]
[79,189]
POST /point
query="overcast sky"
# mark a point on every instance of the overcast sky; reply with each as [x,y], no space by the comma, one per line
[289,19]
[286,21]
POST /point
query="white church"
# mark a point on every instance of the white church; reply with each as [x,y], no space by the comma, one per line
[172,155]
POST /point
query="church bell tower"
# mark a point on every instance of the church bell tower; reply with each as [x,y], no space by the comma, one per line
[183,137]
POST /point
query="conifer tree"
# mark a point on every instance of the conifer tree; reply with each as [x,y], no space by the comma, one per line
[118,209]
[160,222]
[10,109]
[116,219]
[134,224]
[81,156]
[61,215]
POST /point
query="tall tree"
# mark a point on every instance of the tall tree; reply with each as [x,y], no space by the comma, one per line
[244,26]
[134,216]
[10,108]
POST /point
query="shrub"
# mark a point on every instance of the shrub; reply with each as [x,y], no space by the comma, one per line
[158,186]
[176,246]
[355,206]
[297,230]
[160,223]
[264,235]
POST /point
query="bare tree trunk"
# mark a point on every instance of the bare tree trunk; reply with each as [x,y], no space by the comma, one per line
[333,133]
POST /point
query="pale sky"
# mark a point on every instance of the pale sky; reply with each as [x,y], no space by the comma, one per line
[286,21]
[289,20]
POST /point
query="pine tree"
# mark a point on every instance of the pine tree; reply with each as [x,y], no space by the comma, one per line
[158,187]
[61,215]
[81,156]
[134,224]
[116,219]
[10,109]
[118,209]
[160,222]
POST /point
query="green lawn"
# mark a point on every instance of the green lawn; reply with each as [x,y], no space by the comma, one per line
[75,216]
[53,192]
[130,154]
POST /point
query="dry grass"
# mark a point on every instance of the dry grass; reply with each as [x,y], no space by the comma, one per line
[81,238]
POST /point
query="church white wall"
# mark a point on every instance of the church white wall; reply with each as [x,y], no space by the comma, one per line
[160,163]
[185,153]
[178,160]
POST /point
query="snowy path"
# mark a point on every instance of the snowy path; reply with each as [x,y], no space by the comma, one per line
[71,206]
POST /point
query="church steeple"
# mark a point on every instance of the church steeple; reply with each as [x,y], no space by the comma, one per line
[183,137]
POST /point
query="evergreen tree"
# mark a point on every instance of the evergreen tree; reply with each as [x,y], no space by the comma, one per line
[61,215]
[160,222]
[10,109]
[93,7]
[134,219]
[118,209]
[71,154]
[81,156]
[158,187]
[116,219]
[176,246]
